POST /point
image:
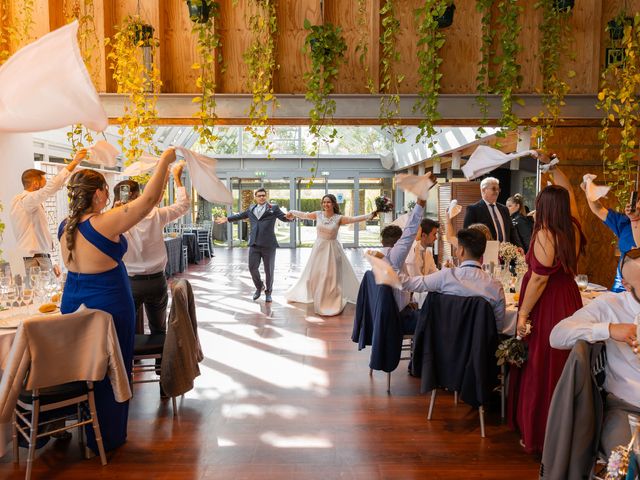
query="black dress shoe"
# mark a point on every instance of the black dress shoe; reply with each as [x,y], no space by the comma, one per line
[257,293]
[268,298]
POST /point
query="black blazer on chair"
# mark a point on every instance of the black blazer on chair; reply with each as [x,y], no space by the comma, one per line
[454,347]
[479,213]
[262,229]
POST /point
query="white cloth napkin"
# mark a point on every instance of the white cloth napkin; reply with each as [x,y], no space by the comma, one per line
[485,159]
[594,192]
[145,164]
[454,209]
[545,167]
[383,272]
[203,176]
[401,221]
[418,185]
[45,86]
[103,153]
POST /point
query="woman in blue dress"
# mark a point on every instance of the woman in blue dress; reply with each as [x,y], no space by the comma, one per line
[92,250]
[625,226]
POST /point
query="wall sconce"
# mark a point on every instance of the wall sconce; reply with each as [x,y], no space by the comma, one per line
[456,158]
[436,167]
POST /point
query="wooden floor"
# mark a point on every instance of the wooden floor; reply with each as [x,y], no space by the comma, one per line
[285,394]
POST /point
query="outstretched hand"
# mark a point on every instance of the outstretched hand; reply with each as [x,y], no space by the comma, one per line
[290,216]
[221,220]
[374,214]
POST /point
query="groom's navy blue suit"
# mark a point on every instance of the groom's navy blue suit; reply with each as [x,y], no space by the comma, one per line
[262,242]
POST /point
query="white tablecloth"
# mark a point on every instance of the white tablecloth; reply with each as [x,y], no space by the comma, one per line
[511,315]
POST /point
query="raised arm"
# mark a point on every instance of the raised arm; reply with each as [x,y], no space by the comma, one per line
[181,205]
[118,220]
[449,231]
[558,177]
[596,207]
[303,215]
[280,214]
[360,218]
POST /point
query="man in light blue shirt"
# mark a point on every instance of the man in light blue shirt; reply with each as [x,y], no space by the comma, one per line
[467,280]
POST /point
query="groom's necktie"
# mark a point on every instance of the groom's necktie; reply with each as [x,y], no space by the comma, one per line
[495,219]
[259,211]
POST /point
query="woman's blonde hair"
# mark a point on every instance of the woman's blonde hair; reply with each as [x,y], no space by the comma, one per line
[518,200]
[482,228]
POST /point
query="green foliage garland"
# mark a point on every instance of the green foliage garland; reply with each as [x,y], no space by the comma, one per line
[325,46]
[362,48]
[15,30]
[389,79]
[617,99]
[430,41]
[485,75]
[209,43]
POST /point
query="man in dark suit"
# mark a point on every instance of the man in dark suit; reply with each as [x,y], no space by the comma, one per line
[492,214]
[262,241]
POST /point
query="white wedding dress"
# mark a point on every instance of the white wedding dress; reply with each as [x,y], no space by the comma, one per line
[328,280]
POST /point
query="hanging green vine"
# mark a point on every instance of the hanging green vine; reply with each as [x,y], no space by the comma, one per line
[209,44]
[325,46]
[389,79]
[430,41]
[260,58]
[83,11]
[15,29]
[140,82]
[617,99]
[509,79]
[555,44]
[485,75]
[362,47]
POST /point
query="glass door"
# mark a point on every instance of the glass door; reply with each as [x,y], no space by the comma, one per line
[369,189]
[280,194]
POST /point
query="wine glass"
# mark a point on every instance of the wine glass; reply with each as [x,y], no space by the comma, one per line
[12,296]
[33,273]
[582,281]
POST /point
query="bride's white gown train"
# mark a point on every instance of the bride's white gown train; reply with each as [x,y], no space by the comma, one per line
[328,280]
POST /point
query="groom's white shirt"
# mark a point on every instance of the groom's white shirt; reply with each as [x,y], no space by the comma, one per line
[397,254]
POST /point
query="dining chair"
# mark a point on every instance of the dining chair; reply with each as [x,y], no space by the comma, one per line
[52,365]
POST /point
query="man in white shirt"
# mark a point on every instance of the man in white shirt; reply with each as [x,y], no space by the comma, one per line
[467,280]
[146,257]
[610,318]
[420,258]
[29,219]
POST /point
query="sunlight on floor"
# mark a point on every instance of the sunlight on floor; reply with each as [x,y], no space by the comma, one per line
[241,411]
[303,441]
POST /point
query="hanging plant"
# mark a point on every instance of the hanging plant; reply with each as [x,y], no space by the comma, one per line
[509,78]
[205,14]
[617,99]
[325,46]
[260,58]
[616,25]
[83,11]
[362,47]
[140,81]
[445,19]
[389,79]
[430,41]
[485,75]
[15,29]
[555,44]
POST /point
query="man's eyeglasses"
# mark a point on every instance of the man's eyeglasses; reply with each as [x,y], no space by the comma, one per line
[261,195]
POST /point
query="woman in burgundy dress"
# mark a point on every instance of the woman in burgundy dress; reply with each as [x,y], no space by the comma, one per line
[549,294]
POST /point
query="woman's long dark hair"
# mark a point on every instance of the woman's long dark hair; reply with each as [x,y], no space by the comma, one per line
[553,213]
[334,201]
[81,189]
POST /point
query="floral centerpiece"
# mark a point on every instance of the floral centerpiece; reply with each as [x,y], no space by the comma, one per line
[383,204]
[509,254]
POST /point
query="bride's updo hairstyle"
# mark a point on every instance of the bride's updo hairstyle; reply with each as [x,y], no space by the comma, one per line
[81,189]
[334,201]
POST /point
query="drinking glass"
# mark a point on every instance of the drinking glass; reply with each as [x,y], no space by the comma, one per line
[12,297]
[27,296]
[582,281]
[33,273]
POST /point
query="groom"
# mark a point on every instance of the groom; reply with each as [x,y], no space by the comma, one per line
[262,240]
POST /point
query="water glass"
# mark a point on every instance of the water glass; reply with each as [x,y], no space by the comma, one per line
[634,424]
[12,297]
[582,281]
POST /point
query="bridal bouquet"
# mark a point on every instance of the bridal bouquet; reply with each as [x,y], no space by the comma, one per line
[383,204]
[512,351]
[508,252]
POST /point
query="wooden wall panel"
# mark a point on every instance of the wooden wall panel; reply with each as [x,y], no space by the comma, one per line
[585,46]
[293,63]
[528,57]
[352,77]
[235,41]
[178,48]
[406,45]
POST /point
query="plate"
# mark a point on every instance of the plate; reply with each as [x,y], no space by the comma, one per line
[11,322]
[594,287]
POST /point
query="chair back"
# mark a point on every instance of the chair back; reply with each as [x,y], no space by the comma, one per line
[56,349]
[454,347]
[182,351]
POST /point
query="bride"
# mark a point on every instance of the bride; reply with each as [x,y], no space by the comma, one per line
[328,280]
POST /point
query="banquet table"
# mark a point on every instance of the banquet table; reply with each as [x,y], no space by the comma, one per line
[193,251]
[511,314]
[174,255]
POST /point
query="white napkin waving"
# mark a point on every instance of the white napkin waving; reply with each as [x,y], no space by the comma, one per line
[45,86]
[454,209]
[203,176]
[383,272]
[401,221]
[545,167]
[145,164]
[485,159]
[594,192]
[103,153]
[418,185]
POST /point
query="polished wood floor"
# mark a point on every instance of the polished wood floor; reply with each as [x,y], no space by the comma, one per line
[285,394]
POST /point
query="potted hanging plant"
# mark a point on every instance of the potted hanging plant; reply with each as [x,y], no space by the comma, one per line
[563,5]
[199,10]
[485,75]
[390,80]
[325,47]
[616,25]
[445,19]
[140,82]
